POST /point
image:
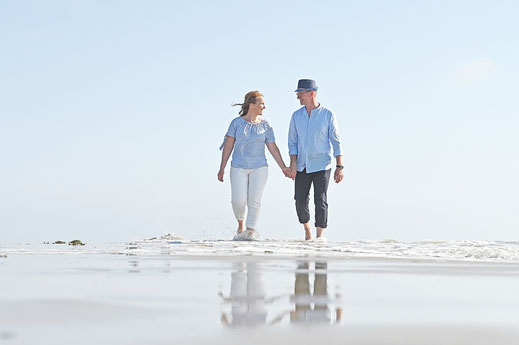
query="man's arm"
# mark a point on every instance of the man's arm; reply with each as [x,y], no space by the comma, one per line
[293,166]
[339,173]
[292,147]
[335,139]
[333,135]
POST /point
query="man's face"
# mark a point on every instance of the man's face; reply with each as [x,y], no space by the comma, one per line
[304,96]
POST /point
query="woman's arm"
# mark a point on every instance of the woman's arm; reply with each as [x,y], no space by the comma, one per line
[274,151]
[226,153]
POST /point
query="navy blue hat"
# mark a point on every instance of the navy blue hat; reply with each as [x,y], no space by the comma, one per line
[306,85]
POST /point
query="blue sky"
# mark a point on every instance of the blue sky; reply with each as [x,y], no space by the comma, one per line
[112,113]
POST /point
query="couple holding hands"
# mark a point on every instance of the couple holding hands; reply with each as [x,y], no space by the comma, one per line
[313,134]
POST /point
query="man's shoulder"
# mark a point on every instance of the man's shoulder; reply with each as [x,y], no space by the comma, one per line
[301,110]
[326,110]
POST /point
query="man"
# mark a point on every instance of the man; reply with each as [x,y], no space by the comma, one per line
[312,135]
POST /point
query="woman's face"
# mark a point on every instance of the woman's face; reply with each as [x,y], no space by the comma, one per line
[258,107]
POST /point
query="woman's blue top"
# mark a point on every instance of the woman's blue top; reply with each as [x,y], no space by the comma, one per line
[249,147]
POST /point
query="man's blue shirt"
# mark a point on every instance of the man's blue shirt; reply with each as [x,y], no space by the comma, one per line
[312,138]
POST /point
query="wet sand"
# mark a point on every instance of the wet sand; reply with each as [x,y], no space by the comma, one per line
[83,297]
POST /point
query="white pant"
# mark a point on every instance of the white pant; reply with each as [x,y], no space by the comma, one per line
[247,188]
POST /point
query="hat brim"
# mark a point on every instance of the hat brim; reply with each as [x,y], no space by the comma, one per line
[303,89]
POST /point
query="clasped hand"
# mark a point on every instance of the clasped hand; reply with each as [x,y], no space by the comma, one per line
[289,173]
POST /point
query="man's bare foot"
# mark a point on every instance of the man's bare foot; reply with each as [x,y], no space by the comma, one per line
[308,232]
[319,232]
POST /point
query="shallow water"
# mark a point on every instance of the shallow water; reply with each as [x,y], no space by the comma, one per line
[469,251]
[131,294]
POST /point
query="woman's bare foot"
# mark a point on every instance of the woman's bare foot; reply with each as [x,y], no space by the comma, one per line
[319,232]
[241,226]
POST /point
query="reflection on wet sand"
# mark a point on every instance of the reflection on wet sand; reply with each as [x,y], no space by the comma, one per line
[247,297]
[250,303]
[312,307]
[134,266]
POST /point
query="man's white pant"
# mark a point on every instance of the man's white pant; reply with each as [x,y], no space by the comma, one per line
[247,189]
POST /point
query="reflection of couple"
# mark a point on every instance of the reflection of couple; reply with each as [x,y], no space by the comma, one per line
[312,307]
[249,300]
[312,134]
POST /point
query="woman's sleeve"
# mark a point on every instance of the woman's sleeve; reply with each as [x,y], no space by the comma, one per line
[269,135]
[231,132]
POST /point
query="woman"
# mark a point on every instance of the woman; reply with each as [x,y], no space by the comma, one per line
[247,135]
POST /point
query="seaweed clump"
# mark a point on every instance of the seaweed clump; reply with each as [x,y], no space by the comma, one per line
[76,243]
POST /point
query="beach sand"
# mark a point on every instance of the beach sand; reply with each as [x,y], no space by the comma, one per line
[109,294]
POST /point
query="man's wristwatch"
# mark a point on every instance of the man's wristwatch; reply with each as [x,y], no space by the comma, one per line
[340,167]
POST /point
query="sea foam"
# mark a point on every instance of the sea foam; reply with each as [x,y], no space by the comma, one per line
[476,251]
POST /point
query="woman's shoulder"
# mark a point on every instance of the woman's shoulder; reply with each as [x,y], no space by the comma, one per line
[265,123]
[237,120]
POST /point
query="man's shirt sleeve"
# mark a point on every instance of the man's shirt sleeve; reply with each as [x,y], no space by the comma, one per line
[292,137]
[335,139]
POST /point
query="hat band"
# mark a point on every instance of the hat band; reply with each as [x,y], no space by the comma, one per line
[306,89]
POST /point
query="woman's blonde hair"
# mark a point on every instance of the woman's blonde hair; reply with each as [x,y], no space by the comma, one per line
[250,98]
